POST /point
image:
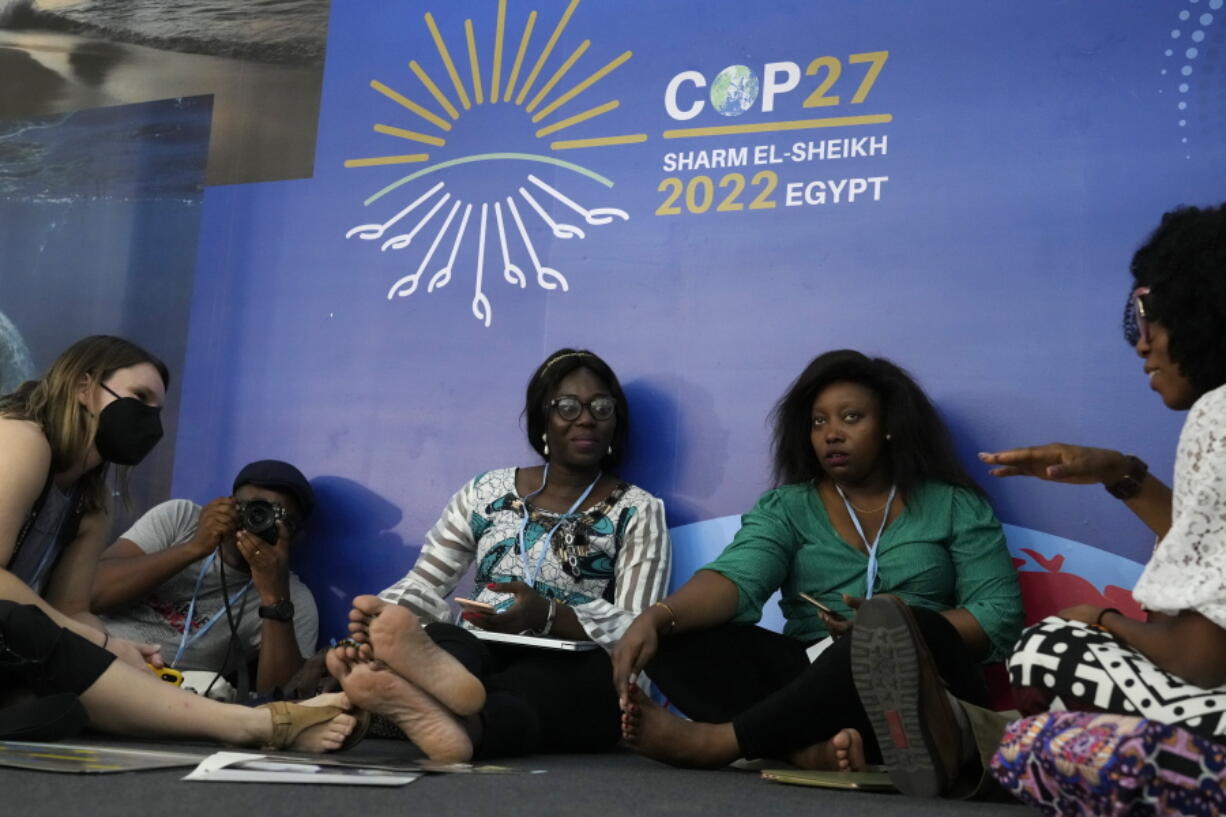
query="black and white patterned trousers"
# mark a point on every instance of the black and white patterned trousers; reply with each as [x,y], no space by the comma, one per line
[1060,664]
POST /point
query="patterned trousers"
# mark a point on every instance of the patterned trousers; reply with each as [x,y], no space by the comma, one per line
[1060,664]
[1077,763]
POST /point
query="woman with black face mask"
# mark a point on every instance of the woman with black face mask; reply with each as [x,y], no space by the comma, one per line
[98,405]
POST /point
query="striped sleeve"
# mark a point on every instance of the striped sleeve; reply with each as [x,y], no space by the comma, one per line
[641,575]
[448,552]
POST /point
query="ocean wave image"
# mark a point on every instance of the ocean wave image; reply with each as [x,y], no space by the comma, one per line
[279,31]
[100,215]
[15,363]
[107,153]
[261,61]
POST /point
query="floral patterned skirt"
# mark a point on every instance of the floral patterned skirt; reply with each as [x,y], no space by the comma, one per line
[1080,763]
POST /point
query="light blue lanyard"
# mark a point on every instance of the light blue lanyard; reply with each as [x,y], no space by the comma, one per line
[871,573]
[185,641]
[530,571]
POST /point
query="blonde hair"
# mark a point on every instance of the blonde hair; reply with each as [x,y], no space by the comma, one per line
[52,403]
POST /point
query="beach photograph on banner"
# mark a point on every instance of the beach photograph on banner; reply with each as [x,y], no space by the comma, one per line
[263,64]
[75,189]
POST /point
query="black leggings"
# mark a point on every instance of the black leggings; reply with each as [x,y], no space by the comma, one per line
[537,700]
[56,665]
[778,702]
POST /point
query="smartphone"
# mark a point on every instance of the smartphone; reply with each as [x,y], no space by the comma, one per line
[475,606]
[819,605]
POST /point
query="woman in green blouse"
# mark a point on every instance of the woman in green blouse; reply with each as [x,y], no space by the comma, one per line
[871,500]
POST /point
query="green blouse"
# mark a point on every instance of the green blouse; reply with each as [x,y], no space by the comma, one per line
[945,550]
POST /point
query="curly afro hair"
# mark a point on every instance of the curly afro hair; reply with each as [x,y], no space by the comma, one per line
[1184,265]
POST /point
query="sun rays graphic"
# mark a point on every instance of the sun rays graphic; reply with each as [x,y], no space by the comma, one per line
[546,103]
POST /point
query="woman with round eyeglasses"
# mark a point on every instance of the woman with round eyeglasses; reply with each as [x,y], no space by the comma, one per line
[564,550]
[1171,667]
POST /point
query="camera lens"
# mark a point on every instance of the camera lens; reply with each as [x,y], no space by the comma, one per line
[260,518]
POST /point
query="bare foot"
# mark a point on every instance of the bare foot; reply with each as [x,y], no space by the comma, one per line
[842,753]
[661,735]
[329,735]
[425,721]
[399,641]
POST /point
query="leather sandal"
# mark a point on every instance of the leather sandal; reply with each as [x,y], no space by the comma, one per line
[360,729]
[289,720]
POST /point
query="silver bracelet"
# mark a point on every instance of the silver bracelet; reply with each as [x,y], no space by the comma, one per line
[549,617]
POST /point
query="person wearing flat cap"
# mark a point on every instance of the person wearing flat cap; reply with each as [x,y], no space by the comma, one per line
[162,580]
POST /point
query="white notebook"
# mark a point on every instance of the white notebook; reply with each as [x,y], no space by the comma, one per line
[535,641]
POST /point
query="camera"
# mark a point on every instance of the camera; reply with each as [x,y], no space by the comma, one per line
[261,517]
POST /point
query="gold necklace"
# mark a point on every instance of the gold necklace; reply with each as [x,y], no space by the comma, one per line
[865,510]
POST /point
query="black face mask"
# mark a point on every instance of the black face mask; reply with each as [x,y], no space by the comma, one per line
[127,430]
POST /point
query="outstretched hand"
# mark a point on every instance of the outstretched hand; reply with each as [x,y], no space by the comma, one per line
[526,614]
[1060,462]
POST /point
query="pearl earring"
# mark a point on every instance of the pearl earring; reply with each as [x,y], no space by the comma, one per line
[610,451]
[889,436]
[545,440]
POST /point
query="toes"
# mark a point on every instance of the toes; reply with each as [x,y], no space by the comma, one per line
[337,662]
[368,605]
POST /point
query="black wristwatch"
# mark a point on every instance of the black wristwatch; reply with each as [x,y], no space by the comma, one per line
[1130,484]
[281,611]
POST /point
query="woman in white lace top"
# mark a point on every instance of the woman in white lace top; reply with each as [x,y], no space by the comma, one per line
[1171,667]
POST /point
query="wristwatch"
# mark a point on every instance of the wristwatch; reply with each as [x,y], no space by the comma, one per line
[283,610]
[1130,484]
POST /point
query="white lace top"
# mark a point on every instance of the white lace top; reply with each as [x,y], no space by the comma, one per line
[1188,568]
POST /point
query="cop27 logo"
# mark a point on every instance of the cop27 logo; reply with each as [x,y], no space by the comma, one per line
[541,98]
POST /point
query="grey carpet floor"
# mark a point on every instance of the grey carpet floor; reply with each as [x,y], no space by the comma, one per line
[610,785]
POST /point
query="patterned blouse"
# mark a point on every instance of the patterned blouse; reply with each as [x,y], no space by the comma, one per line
[608,561]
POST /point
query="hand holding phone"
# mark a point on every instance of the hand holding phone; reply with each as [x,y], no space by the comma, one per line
[473,606]
[819,605]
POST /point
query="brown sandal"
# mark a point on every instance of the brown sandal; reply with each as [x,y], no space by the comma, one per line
[289,720]
[360,729]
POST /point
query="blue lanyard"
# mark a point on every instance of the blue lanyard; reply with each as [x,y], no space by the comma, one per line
[530,571]
[185,641]
[871,573]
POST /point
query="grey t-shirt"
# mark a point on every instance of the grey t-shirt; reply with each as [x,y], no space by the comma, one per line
[159,617]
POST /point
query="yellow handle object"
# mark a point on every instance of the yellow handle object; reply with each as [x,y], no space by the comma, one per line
[170,676]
